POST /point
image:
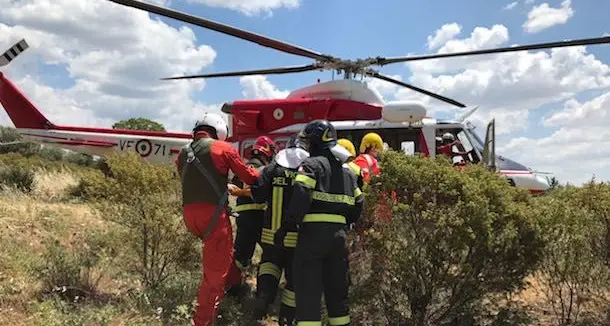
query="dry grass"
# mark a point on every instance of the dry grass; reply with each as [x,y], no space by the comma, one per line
[52,185]
[27,220]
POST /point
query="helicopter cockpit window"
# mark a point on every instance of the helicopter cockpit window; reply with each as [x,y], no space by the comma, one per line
[408,147]
[392,137]
[280,143]
[463,146]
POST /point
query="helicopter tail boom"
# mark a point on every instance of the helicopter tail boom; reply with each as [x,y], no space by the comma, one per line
[22,112]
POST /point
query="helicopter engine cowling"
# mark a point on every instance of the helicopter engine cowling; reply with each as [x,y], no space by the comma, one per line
[403,111]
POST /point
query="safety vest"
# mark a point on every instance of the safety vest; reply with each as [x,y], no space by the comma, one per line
[358,171]
[333,193]
[281,184]
[195,186]
[245,203]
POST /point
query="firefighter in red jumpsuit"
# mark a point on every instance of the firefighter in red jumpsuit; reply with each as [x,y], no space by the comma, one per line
[446,148]
[370,145]
[203,166]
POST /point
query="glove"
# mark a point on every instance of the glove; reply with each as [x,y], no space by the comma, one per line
[280,234]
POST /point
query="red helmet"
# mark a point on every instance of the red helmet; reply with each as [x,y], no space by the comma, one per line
[265,146]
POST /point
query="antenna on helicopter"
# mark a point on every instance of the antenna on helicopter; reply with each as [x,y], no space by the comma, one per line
[467,114]
[13,52]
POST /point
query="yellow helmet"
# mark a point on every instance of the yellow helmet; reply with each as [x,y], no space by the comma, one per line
[371,140]
[348,145]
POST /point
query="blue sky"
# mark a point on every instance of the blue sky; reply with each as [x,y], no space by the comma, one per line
[357,28]
[88,68]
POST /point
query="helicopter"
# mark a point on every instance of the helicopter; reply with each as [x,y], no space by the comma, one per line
[351,106]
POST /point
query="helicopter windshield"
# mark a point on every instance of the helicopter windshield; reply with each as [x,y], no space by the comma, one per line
[476,140]
[502,163]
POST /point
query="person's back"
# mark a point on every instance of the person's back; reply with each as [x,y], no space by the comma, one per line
[370,146]
[349,146]
[203,166]
[250,219]
[325,200]
[275,188]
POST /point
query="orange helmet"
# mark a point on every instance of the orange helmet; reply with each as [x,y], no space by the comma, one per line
[264,146]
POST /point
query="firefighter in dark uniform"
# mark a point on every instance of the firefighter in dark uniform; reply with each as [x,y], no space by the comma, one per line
[250,219]
[275,187]
[325,200]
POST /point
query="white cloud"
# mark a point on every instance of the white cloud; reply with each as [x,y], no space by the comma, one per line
[258,87]
[578,149]
[594,113]
[508,86]
[505,85]
[511,5]
[383,88]
[115,60]
[250,7]
[444,34]
[543,16]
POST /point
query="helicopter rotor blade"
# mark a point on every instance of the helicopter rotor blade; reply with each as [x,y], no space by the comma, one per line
[225,29]
[417,89]
[579,42]
[271,71]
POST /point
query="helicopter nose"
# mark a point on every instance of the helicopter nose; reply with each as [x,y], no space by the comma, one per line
[542,182]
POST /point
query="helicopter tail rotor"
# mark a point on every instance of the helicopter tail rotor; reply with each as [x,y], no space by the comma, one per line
[13,52]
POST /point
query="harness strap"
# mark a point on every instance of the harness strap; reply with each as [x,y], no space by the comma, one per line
[369,162]
[190,159]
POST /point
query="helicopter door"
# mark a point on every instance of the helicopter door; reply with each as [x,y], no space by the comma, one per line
[489,149]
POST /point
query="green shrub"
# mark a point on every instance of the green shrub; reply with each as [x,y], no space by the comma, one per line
[145,199]
[575,272]
[457,238]
[20,178]
[74,273]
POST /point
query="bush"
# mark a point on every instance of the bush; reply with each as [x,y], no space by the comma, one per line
[19,178]
[12,142]
[575,270]
[145,199]
[456,238]
[74,273]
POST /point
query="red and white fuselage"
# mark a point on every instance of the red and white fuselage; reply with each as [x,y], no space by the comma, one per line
[351,106]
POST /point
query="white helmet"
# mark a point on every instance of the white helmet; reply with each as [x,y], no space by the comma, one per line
[448,137]
[215,121]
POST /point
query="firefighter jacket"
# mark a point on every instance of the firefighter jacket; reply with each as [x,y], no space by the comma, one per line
[218,157]
[325,190]
[358,171]
[246,203]
[275,187]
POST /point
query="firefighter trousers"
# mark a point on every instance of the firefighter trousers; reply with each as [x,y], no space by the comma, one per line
[321,267]
[217,256]
[274,261]
[249,228]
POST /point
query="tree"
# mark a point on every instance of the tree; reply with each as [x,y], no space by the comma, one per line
[456,239]
[553,183]
[138,124]
[575,271]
